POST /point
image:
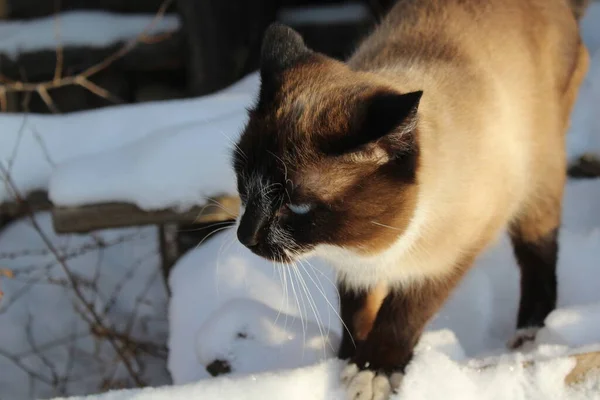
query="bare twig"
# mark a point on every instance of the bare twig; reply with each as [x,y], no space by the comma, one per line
[3,100]
[81,79]
[97,90]
[16,361]
[59,47]
[40,354]
[42,144]
[122,282]
[43,92]
[73,281]
[7,273]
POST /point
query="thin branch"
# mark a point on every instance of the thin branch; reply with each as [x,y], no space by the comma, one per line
[42,144]
[59,47]
[25,368]
[97,90]
[3,100]
[74,285]
[81,79]
[40,354]
[43,92]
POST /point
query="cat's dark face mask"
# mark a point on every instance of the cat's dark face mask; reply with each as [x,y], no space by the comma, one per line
[327,157]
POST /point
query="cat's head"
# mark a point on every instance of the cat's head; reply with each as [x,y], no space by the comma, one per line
[329,155]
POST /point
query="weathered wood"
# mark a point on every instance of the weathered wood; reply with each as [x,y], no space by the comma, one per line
[169,250]
[35,201]
[89,218]
[26,9]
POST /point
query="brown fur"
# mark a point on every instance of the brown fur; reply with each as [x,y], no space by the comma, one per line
[365,316]
[484,152]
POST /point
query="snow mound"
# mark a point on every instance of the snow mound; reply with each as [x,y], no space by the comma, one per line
[243,331]
[35,146]
[475,323]
[212,282]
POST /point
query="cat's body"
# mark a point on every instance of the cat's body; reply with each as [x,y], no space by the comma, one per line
[490,137]
[445,127]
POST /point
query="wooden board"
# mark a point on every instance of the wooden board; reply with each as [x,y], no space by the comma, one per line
[119,215]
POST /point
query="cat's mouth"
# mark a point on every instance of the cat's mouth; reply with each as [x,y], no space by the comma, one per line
[271,245]
[271,252]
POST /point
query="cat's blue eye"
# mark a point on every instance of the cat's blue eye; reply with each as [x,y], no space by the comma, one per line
[300,209]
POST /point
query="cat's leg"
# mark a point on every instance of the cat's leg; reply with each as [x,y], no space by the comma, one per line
[377,367]
[351,302]
[358,311]
[535,241]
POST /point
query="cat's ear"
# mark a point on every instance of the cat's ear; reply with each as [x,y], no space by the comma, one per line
[385,119]
[282,48]
[389,114]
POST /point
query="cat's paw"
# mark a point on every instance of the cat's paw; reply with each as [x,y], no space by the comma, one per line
[368,385]
[523,337]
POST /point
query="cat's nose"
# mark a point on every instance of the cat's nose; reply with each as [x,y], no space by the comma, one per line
[246,238]
[252,224]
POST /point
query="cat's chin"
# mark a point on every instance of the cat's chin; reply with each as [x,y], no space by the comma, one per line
[280,255]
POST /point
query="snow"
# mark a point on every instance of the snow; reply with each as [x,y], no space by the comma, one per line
[232,306]
[41,320]
[37,145]
[230,273]
[78,28]
[277,327]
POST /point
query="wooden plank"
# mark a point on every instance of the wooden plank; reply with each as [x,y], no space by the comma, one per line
[93,217]
[35,201]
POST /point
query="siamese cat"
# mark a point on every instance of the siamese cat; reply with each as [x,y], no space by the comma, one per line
[402,164]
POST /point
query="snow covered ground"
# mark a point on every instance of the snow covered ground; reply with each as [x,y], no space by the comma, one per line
[276,328]
[77,28]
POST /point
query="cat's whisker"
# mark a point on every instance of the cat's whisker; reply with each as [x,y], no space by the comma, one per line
[275,267]
[229,243]
[335,310]
[301,285]
[211,234]
[220,223]
[285,293]
[321,289]
[235,146]
[285,169]
[302,319]
[385,226]
[214,202]
[314,308]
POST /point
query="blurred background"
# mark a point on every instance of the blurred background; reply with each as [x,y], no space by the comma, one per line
[189,47]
